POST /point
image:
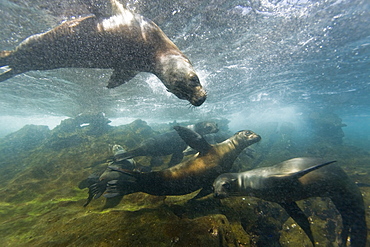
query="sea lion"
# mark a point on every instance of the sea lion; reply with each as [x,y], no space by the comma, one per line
[298,179]
[126,42]
[197,172]
[97,184]
[169,143]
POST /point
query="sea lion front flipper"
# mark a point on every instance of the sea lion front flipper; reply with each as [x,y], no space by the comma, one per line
[104,9]
[301,173]
[193,139]
[202,193]
[298,216]
[133,174]
[9,73]
[120,77]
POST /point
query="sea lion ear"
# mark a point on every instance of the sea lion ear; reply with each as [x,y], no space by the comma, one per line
[193,139]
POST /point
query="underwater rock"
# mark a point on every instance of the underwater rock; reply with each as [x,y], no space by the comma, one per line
[27,138]
[60,142]
[91,124]
[158,227]
[75,131]
[326,126]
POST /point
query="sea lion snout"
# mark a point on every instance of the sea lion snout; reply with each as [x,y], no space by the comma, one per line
[190,89]
[249,136]
[178,75]
[222,186]
[219,195]
[198,94]
[198,97]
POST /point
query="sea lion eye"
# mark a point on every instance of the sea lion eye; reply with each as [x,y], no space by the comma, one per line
[226,186]
[194,80]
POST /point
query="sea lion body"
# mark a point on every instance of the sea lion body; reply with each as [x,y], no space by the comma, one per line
[126,42]
[299,179]
[196,172]
[169,143]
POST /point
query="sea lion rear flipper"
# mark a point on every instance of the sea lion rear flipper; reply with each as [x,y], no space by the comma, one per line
[90,180]
[95,191]
[193,139]
[120,77]
[298,216]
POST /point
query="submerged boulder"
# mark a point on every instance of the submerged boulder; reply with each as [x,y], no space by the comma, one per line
[25,139]
[326,126]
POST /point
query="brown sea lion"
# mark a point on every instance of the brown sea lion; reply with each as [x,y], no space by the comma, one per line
[197,172]
[169,143]
[298,179]
[126,42]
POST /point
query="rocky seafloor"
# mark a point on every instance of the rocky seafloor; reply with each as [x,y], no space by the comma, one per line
[41,204]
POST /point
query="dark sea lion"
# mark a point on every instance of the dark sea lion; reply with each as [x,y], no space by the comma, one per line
[197,172]
[97,184]
[126,42]
[169,143]
[298,179]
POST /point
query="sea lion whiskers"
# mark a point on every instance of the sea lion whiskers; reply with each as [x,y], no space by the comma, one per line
[190,106]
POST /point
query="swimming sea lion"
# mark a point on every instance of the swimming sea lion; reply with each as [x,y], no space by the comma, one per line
[298,179]
[97,184]
[197,172]
[126,42]
[169,143]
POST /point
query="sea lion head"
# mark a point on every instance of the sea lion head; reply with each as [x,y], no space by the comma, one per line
[244,138]
[224,185]
[206,127]
[179,77]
